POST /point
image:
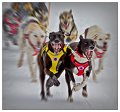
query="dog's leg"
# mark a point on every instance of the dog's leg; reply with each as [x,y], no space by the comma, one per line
[49,84]
[84,91]
[31,65]
[42,80]
[67,77]
[101,63]
[93,70]
[21,50]
[100,66]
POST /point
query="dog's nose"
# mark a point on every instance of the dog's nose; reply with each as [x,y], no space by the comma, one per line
[56,41]
[105,43]
[91,47]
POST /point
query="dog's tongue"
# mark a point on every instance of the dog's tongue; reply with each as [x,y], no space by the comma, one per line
[66,26]
[57,48]
[88,54]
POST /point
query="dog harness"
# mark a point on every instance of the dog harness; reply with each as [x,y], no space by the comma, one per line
[99,54]
[13,26]
[80,66]
[54,58]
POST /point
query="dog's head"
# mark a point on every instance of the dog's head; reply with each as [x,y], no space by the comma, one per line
[37,37]
[102,41]
[66,18]
[86,47]
[56,42]
[98,35]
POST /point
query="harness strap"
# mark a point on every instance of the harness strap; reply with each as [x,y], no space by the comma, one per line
[55,59]
[80,66]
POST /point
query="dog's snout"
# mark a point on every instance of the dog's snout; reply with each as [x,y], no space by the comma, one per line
[92,47]
[56,41]
[105,43]
[65,22]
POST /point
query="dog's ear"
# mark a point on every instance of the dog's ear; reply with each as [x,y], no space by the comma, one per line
[70,11]
[80,37]
[108,36]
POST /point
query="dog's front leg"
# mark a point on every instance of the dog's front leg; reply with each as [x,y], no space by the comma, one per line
[67,77]
[93,69]
[31,64]
[22,51]
[100,66]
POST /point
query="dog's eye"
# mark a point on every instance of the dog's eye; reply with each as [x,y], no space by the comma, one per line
[106,38]
[42,36]
[35,36]
[100,39]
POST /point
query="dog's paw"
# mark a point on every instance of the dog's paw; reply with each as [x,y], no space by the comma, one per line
[49,83]
[49,95]
[84,93]
[43,99]
[55,81]
[70,99]
[76,87]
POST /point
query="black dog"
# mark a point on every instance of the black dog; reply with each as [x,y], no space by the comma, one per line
[51,61]
[79,62]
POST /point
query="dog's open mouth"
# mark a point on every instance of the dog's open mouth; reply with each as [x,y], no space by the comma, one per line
[88,54]
[56,47]
[66,25]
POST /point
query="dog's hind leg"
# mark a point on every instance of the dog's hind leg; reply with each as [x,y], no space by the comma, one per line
[67,77]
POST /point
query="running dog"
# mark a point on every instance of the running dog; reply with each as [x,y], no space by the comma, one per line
[51,62]
[79,63]
[101,38]
[67,26]
[32,35]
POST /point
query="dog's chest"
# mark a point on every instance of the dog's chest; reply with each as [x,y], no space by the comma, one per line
[56,61]
[81,65]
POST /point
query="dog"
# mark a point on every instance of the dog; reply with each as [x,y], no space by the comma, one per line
[78,61]
[101,38]
[51,62]
[31,37]
[32,34]
[67,26]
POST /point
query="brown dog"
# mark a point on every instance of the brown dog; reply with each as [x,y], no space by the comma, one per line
[67,26]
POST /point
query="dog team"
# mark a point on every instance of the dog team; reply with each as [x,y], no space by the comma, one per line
[55,56]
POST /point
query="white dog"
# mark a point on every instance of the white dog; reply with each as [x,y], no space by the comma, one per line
[101,38]
[32,36]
